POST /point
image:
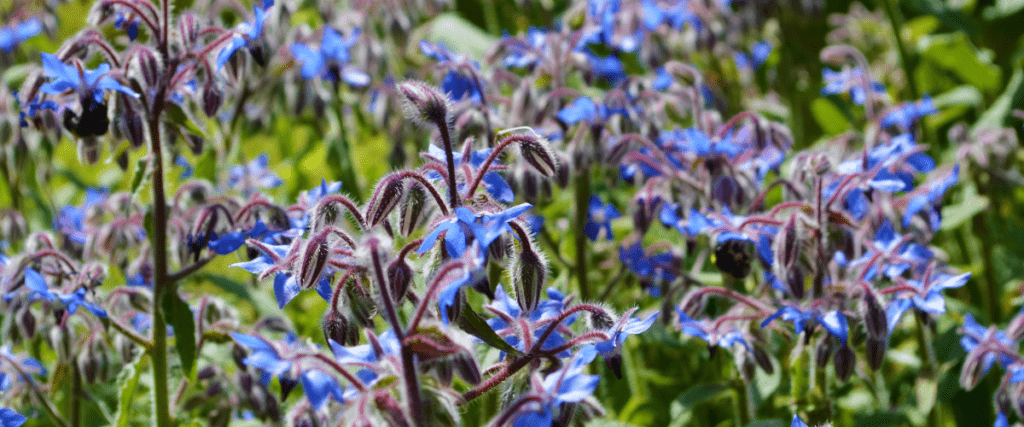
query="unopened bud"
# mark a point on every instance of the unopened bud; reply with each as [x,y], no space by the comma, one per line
[601,320]
[614,364]
[528,275]
[973,370]
[844,362]
[412,208]
[385,198]
[789,243]
[874,317]
[150,68]
[314,261]
[188,28]
[734,257]
[763,360]
[795,282]
[875,352]
[823,352]
[563,171]
[424,103]
[212,98]
[390,409]
[538,154]
[399,279]
[338,328]
[727,190]
[1015,330]
[287,385]
[466,368]
[259,51]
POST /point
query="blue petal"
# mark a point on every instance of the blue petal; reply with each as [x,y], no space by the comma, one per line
[228,243]
[285,288]
[498,188]
[895,310]
[318,387]
[835,323]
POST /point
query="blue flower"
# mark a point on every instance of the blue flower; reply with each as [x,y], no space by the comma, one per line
[526,53]
[599,217]
[485,228]
[715,338]
[89,84]
[927,297]
[187,167]
[889,252]
[1001,420]
[230,242]
[11,37]
[455,84]
[833,321]
[39,289]
[330,61]
[632,326]
[508,311]
[928,197]
[974,334]
[758,54]
[495,185]
[130,27]
[797,422]
[253,176]
[9,418]
[317,385]
[848,80]
[647,267]
[585,109]
[567,385]
[314,195]
[446,298]
[909,113]
[675,13]
[248,33]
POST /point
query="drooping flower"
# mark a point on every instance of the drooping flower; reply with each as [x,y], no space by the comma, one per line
[833,321]
[12,36]
[88,84]
[567,385]
[330,60]
[485,228]
[927,297]
[599,217]
[247,35]
[38,289]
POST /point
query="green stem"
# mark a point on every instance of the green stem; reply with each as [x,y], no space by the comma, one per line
[76,395]
[161,284]
[343,147]
[581,186]
[744,411]
[928,368]
[896,21]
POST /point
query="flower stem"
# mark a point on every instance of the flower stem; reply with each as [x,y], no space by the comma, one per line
[161,283]
[453,192]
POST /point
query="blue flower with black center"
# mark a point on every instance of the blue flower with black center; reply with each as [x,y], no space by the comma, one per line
[330,60]
[249,33]
[89,84]
[926,297]
[833,321]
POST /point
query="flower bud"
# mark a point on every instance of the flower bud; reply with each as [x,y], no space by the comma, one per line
[206,373]
[789,244]
[875,351]
[874,317]
[385,198]
[423,103]
[359,303]
[795,282]
[538,154]
[466,368]
[188,28]
[390,409]
[823,352]
[212,98]
[399,279]
[148,66]
[338,328]
[973,370]
[614,364]
[563,171]
[763,360]
[411,211]
[287,385]
[727,191]
[1015,330]
[89,150]
[314,261]
[528,274]
[844,362]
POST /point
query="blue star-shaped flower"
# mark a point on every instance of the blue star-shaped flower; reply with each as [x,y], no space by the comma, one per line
[9,418]
[715,338]
[647,267]
[567,385]
[317,385]
[87,83]
[247,35]
[599,217]
[253,176]
[930,196]
[927,297]
[974,334]
[11,37]
[909,113]
[39,289]
[632,326]
[848,80]
[833,321]
[330,61]
[485,228]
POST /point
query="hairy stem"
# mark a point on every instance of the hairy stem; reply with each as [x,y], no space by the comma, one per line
[453,193]
[581,187]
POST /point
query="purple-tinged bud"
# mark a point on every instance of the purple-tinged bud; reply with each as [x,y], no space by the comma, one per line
[314,260]
[385,198]
[537,153]
[466,368]
[273,408]
[188,28]
[747,366]
[212,98]
[275,324]
[259,52]
[28,323]
[195,143]
[400,276]
[12,225]
[973,370]
[359,303]
[530,186]
[789,244]
[601,320]
[844,361]
[1015,330]
[875,352]
[215,388]
[874,317]
[484,287]
[823,352]
[528,274]
[338,328]
[411,211]
[149,66]
[238,355]
[563,172]
[795,282]
[327,213]
[206,373]
[763,360]
[423,103]
[89,150]
[693,306]
[390,409]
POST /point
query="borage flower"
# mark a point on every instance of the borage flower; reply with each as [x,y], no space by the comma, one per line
[330,60]
[565,386]
[834,322]
[12,36]
[248,35]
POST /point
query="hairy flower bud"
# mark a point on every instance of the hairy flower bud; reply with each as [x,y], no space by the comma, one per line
[385,198]
[411,211]
[528,274]
[795,282]
[423,103]
[844,361]
[314,261]
[338,328]
[734,257]
[466,367]
[1015,330]
[536,152]
[823,352]
[763,360]
[212,98]
[563,172]
[789,243]
[874,317]
[399,279]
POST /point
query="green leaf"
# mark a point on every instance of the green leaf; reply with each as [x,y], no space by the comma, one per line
[926,389]
[180,317]
[141,173]
[470,321]
[177,116]
[955,54]
[1003,9]
[767,423]
[262,305]
[882,420]
[128,381]
[608,423]
[460,35]
[829,116]
[956,215]
[206,166]
[994,117]
[681,407]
